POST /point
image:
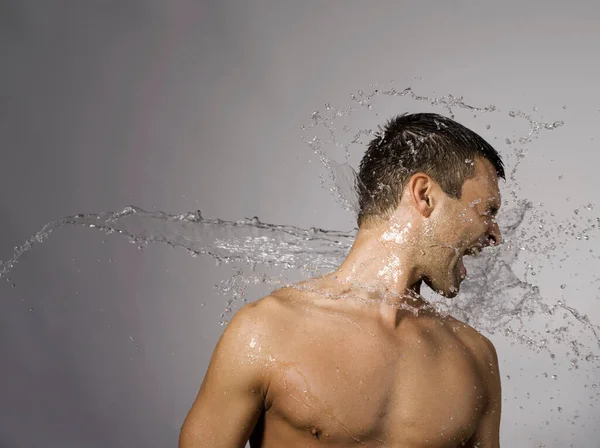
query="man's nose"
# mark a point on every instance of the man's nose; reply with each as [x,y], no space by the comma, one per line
[494,238]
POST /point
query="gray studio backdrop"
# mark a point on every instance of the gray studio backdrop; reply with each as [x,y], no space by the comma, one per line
[186,105]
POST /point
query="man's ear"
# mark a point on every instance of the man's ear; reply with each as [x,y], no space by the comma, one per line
[420,187]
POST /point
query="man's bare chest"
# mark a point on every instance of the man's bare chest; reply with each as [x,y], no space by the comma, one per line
[341,393]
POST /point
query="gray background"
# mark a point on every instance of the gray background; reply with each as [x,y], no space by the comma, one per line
[183,105]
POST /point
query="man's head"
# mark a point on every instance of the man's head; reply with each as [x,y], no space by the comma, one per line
[445,178]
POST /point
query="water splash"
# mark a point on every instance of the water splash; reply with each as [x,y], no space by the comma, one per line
[499,296]
[493,297]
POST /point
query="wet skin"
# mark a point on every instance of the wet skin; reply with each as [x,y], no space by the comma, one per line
[305,368]
[295,369]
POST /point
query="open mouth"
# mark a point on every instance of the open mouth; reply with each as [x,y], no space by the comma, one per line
[472,251]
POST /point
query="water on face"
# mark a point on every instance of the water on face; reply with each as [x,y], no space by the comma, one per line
[500,296]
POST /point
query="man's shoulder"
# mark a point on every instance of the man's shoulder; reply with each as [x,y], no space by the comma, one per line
[480,346]
[266,314]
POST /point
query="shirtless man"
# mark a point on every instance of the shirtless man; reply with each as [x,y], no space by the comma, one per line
[357,357]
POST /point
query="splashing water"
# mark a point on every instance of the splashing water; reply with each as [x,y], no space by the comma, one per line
[499,296]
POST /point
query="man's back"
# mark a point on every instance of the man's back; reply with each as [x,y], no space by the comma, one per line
[332,373]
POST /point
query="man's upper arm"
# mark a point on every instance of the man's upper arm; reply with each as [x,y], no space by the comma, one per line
[488,430]
[230,399]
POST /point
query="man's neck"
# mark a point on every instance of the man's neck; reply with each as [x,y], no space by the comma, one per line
[382,262]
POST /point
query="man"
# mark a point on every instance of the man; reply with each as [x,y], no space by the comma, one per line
[358,357]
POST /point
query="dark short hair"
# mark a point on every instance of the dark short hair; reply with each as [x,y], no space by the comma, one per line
[409,144]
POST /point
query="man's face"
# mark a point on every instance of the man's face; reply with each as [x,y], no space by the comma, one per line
[463,226]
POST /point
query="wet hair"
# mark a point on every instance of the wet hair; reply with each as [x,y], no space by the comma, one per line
[408,144]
